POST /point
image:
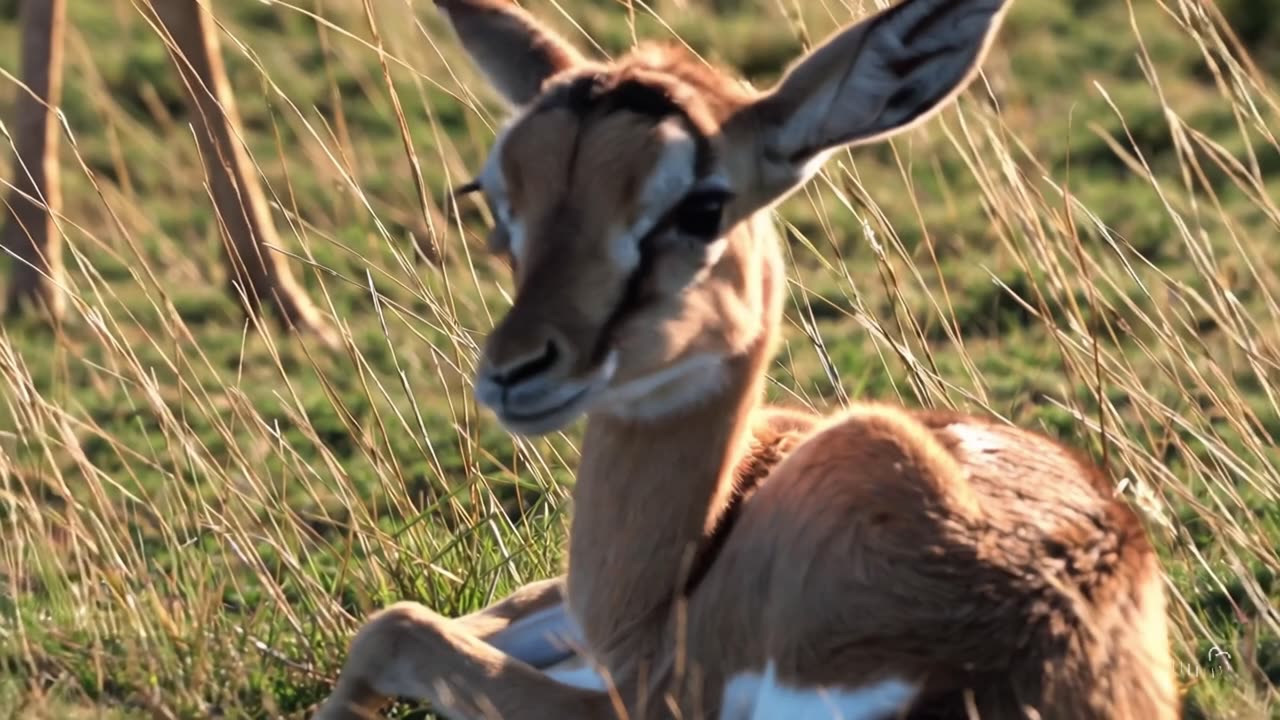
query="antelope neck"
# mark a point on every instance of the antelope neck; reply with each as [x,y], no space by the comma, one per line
[648,497]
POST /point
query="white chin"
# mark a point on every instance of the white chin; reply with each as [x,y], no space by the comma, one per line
[673,389]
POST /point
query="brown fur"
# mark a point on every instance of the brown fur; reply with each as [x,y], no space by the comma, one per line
[988,565]
[1040,593]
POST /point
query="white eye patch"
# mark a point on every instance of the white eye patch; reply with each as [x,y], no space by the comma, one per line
[671,178]
[495,190]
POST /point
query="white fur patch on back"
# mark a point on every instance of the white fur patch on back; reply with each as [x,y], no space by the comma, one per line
[975,439]
[752,696]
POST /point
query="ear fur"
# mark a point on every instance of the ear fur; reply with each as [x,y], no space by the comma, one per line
[510,47]
[876,78]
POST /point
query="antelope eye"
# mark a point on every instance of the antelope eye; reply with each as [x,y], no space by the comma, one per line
[700,212]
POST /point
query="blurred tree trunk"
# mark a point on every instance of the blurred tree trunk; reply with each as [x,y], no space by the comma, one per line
[27,230]
[257,275]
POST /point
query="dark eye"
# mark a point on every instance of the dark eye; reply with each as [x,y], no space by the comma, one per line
[699,213]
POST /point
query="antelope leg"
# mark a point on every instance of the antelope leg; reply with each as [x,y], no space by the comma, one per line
[408,651]
[531,625]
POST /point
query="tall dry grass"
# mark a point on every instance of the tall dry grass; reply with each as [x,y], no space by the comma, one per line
[198,511]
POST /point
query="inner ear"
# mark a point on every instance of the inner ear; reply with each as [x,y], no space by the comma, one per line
[875,78]
[513,50]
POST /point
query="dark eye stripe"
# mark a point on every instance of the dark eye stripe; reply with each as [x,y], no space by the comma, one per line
[595,93]
[633,298]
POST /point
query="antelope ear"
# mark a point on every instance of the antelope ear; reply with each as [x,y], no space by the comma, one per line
[873,79]
[512,49]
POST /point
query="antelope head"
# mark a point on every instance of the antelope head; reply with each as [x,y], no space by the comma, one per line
[627,195]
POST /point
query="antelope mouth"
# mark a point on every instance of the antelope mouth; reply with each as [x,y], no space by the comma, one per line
[554,408]
[511,415]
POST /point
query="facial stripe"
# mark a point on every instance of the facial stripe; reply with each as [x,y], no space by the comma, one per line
[633,298]
[672,176]
[633,294]
[685,158]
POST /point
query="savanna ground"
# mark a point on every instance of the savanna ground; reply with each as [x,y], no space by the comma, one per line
[198,511]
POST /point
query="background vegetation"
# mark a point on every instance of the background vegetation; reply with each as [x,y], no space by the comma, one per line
[197,511]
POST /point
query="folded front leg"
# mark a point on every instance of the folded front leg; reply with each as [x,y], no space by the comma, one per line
[531,625]
[408,651]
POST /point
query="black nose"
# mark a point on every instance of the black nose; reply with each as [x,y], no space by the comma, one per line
[526,368]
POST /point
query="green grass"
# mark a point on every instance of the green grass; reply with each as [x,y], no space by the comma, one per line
[197,512]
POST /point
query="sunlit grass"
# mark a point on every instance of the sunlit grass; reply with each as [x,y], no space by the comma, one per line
[198,511]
